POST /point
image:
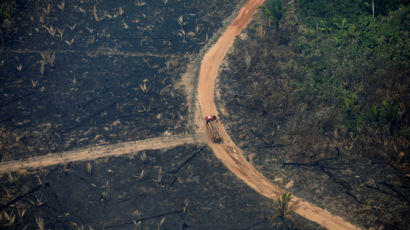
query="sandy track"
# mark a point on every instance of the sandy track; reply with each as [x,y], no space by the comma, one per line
[227,152]
[92,153]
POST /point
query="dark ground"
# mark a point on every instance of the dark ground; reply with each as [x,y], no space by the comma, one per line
[101,72]
[70,79]
[97,72]
[367,191]
[186,187]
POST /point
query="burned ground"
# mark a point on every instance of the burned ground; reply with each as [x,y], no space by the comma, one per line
[81,73]
[181,188]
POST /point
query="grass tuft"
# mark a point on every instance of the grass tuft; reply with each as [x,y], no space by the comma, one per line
[40,223]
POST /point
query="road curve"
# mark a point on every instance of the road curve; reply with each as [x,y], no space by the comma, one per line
[228,153]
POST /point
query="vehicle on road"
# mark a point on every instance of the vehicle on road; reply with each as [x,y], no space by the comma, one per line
[212,129]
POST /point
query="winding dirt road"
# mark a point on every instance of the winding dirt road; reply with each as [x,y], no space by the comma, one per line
[227,152]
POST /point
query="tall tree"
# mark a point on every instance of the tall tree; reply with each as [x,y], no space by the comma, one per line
[274,11]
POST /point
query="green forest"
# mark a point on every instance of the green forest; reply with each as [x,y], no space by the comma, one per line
[357,60]
[348,58]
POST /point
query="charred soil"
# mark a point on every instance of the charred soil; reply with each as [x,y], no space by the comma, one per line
[81,73]
[181,188]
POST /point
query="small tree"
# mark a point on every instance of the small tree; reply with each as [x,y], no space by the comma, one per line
[283,204]
[274,11]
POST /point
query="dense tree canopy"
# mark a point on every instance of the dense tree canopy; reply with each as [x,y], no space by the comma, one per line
[273,10]
[345,64]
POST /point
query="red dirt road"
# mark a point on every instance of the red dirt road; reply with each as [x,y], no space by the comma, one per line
[227,152]
[95,152]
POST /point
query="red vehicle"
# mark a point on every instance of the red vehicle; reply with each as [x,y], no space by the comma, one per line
[210,118]
[212,128]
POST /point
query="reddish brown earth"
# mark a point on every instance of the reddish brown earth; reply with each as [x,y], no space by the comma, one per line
[228,152]
[95,152]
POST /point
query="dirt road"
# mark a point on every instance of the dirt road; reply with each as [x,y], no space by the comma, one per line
[92,153]
[227,152]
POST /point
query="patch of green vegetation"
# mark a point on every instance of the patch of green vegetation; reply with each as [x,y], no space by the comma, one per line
[353,59]
[283,204]
[335,70]
[281,208]
[273,11]
[383,115]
